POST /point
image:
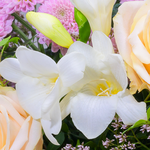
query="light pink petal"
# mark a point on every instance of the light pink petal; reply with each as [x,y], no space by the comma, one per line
[140,69]
[138,48]
[4,112]
[22,136]
[34,135]
[4,101]
[122,27]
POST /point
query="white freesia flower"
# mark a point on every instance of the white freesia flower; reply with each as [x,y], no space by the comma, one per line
[93,106]
[41,83]
[98,13]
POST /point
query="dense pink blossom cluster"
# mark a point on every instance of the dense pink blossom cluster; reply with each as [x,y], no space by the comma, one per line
[10,6]
[64,11]
[7,7]
[5,25]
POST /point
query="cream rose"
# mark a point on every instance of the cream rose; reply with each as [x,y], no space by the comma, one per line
[132,34]
[18,130]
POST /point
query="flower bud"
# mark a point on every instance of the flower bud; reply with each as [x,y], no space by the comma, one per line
[51,27]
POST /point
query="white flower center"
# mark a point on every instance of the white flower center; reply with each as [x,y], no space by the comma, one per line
[106,88]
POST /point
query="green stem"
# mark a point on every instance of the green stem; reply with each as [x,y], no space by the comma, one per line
[148,96]
[24,37]
[112,131]
[139,141]
[26,24]
[2,53]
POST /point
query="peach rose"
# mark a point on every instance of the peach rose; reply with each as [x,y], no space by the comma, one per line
[18,130]
[132,34]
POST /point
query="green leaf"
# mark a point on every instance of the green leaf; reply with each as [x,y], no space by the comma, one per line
[25,23]
[4,41]
[137,124]
[90,144]
[14,40]
[65,127]
[60,138]
[78,142]
[148,114]
[83,25]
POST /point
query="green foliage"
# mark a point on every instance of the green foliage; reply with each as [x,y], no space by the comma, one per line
[137,124]
[148,114]
[4,41]
[60,138]
[140,122]
[83,25]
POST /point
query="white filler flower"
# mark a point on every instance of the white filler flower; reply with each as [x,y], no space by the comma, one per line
[41,83]
[103,92]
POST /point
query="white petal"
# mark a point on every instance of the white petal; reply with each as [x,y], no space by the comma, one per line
[54,115]
[117,67]
[93,68]
[10,70]
[52,98]
[129,110]
[46,124]
[34,135]
[92,114]
[71,68]
[83,6]
[65,104]
[89,53]
[31,94]
[36,64]
[102,43]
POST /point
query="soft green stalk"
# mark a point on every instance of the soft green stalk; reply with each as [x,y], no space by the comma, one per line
[148,96]
[139,141]
[23,22]
[24,37]
[2,52]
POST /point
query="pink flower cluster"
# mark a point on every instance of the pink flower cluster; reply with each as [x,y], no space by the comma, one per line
[7,7]
[64,11]
[10,6]
[5,24]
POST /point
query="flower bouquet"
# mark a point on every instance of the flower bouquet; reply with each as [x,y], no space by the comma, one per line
[74,74]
